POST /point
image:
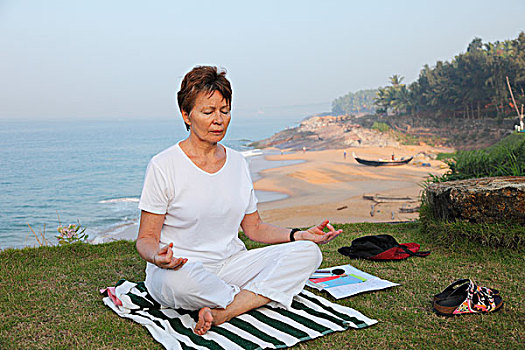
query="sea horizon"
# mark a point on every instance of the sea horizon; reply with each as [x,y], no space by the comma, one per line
[91,171]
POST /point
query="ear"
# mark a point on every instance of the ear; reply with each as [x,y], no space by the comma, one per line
[186,118]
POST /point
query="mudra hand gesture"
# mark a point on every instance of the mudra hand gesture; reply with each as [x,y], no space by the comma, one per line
[317,235]
[164,258]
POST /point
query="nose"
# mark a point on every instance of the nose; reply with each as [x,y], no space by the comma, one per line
[218,118]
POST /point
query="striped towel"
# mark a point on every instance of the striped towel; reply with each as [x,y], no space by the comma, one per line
[264,328]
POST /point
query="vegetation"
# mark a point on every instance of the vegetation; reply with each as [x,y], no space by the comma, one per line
[50,300]
[472,85]
[394,98]
[445,156]
[505,158]
[361,101]
[381,127]
[502,234]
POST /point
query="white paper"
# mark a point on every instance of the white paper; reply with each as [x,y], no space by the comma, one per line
[368,283]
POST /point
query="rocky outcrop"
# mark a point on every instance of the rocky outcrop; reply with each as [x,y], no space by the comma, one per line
[485,200]
[328,132]
[462,134]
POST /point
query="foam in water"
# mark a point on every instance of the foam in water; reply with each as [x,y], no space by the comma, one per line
[88,171]
[120,200]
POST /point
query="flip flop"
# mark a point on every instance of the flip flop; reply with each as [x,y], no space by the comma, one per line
[466,299]
[461,283]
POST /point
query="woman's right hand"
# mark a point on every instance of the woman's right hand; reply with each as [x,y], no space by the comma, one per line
[164,258]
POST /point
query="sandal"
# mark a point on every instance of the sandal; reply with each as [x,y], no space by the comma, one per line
[466,298]
[458,284]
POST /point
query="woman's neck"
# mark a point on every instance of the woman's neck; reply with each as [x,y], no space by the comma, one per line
[206,156]
[200,149]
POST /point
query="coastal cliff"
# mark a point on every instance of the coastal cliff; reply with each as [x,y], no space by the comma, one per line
[328,132]
[322,132]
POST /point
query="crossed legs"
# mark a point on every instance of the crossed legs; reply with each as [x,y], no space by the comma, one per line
[243,302]
[243,282]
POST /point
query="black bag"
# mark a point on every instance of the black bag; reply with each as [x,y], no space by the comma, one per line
[381,247]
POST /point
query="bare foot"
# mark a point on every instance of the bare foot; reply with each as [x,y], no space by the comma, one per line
[205,321]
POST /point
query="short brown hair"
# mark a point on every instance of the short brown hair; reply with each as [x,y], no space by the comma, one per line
[207,79]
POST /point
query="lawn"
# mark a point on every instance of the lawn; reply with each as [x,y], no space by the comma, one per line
[49,296]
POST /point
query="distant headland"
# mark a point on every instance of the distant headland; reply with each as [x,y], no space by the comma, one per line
[321,132]
[469,102]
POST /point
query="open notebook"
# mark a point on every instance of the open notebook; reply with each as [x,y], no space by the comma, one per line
[351,282]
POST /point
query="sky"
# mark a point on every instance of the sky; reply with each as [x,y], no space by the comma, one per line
[94,59]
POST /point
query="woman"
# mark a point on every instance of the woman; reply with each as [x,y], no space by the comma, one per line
[196,195]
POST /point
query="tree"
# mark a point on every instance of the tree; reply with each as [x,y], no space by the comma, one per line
[472,85]
[361,101]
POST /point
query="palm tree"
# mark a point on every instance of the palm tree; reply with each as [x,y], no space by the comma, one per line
[396,80]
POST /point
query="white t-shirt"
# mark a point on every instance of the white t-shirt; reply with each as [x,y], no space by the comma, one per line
[203,210]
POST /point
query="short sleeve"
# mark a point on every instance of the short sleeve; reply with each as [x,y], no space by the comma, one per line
[252,202]
[154,198]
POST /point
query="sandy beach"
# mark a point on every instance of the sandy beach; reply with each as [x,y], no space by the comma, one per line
[323,184]
[326,185]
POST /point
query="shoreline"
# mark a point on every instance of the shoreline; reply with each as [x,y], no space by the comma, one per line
[328,186]
[308,187]
[257,163]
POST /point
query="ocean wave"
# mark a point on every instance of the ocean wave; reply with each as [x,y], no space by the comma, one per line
[252,152]
[120,200]
[126,230]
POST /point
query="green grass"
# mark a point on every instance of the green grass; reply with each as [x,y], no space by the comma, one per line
[49,296]
[381,127]
[502,234]
[445,156]
[505,158]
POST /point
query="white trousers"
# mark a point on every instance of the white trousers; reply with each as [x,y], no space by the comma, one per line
[277,272]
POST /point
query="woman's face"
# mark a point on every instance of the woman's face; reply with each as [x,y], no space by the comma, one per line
[209,118]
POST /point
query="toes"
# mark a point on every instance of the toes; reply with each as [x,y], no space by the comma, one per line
[205,321]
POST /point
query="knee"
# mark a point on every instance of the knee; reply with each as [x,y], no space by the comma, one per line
[310,252]
[182,282]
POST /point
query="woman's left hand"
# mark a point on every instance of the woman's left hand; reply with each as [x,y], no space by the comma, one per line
[317,235]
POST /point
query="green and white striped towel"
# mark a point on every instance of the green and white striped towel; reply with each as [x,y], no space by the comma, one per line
[264,328]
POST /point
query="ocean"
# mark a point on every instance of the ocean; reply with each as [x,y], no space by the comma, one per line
[91,171]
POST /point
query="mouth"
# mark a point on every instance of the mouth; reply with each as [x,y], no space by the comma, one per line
[217,132]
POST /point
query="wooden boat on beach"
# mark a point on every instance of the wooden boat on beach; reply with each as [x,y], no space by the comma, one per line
[381,162]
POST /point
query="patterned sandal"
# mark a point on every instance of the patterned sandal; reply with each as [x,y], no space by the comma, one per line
[461,283]
[466,299]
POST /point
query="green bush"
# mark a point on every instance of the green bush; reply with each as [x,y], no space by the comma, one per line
[505,158]
[504,234]
[445,156]
[381,127]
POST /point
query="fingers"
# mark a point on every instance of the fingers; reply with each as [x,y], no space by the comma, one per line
[322,225]
[164,249]
[318,230]
[321,237]
[169,255]
[176,263]
[330,236]
[164,255]
[165,259]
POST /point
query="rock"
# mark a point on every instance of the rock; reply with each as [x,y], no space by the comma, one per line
[328,132]
[485,200]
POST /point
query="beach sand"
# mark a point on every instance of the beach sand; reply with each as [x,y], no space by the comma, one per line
[328,186]
[323,185]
